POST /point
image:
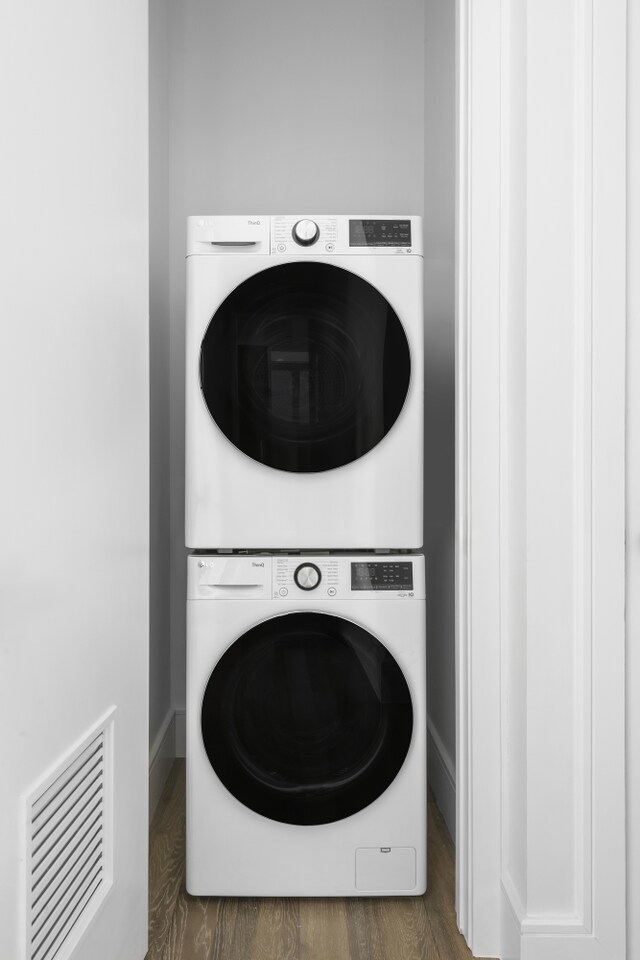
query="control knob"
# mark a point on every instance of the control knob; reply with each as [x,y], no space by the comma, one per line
[305,232]
[307,576]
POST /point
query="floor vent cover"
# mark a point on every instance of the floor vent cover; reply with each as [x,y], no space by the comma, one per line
[69,847]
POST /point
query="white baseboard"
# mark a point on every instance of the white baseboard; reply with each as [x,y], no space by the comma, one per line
[181,732]
[441,773]
[161,756]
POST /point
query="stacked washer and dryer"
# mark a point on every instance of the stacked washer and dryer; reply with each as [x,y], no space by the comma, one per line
[306,677]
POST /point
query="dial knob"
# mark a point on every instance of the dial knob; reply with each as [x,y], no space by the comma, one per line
[305,232]
[307,576]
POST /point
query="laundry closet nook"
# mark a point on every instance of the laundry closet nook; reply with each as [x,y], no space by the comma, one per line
[327,112]
[490,151]
[326,115]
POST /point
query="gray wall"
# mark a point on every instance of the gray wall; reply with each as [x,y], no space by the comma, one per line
[439,537]
[292,106]
[160,700]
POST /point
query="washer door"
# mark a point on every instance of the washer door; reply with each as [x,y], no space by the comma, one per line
[305,367]
[307,718]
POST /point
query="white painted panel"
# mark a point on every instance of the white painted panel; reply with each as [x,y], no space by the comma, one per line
[575,636]
[478,894]
[74,424]
[513,480]
[559,577]
[552,473]
[633,486]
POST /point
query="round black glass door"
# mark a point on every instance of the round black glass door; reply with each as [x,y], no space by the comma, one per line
[305,367]
[307,718]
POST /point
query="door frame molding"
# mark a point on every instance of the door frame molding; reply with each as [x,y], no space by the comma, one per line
[541,250]
[477,471]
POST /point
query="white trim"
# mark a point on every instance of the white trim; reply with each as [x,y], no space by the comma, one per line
[563,924]
[633,482]
[608,475]
[512,349]
[161,756]
[591,664]
[478,889]
[513,898]
[540,673]
[442,777]
[462,572]
[583,457]
[181,732]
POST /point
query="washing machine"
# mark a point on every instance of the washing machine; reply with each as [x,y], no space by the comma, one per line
[304,382]
[306,725]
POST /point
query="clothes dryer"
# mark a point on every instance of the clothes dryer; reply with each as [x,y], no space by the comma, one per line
[304,382]
[306,726]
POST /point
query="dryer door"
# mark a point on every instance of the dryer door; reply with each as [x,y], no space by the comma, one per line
[307,718]
[305,367]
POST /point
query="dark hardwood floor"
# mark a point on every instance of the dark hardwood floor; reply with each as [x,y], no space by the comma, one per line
[182,927]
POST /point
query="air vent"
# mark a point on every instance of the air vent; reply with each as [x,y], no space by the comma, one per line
[69,848]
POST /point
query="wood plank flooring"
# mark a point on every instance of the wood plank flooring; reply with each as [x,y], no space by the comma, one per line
[182,927]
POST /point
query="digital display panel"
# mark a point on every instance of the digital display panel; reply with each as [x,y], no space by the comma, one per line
[379,233]
[382,576]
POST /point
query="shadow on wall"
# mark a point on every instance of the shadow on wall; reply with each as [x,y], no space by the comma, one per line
[439,529]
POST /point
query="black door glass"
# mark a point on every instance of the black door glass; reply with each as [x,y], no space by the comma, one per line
[305,367]
[307,718]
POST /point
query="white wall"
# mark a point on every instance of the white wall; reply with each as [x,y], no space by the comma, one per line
[292,106]
[633,486]
[74,501]
[439,486]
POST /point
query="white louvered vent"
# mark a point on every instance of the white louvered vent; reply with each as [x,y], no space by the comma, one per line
[69,849]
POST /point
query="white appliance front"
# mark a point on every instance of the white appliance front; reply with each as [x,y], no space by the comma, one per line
[304,383]
[306,725]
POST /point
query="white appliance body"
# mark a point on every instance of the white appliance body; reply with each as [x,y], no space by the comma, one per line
[379,847]
[311,359]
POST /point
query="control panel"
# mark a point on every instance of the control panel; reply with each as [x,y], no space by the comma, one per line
[295,235]
[304,235]
[341,577]
[318,236]
[379,233]
[305,578]
[299,576]
[370,575]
